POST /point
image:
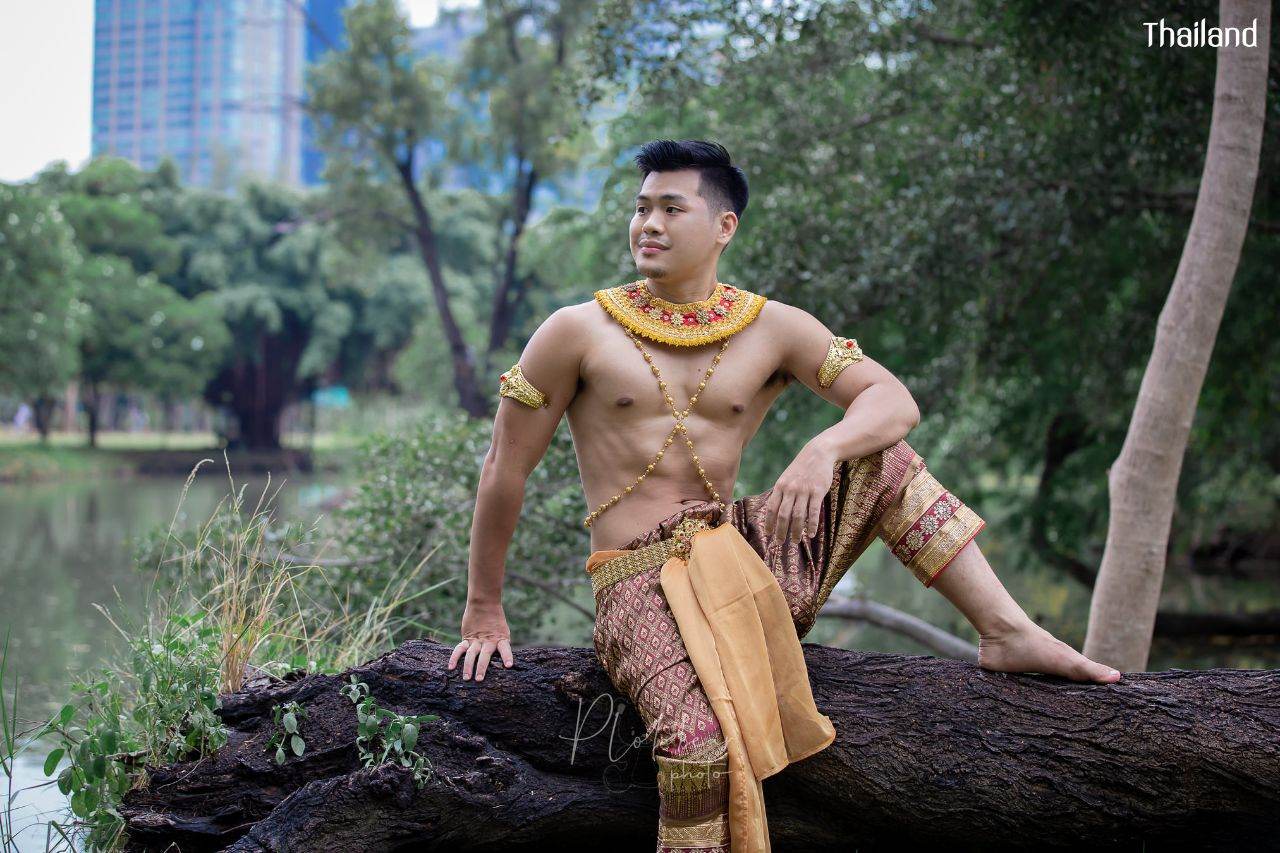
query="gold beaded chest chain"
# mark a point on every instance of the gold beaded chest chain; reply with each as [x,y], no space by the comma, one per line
[684,324]
[680,417]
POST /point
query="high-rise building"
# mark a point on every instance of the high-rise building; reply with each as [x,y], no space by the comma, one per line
[214,84]
[325,32]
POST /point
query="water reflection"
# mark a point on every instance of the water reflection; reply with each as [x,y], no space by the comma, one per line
[65,546]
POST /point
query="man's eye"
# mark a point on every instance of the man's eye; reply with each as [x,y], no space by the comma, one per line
[673,208]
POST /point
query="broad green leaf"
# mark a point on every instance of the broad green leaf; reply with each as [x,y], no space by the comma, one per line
[51,762]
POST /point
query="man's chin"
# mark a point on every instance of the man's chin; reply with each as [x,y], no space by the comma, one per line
[651,270]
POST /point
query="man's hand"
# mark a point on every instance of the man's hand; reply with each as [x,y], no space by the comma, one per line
[484,628]
[791,511]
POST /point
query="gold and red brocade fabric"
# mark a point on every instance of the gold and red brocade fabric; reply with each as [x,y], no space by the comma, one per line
[638,642]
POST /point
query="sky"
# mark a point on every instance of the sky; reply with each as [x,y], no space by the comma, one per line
[46,80]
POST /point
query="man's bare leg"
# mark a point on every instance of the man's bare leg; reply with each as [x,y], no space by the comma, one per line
[1008,639]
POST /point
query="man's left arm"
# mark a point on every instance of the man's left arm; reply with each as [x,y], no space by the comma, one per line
[878,408]
[878,412]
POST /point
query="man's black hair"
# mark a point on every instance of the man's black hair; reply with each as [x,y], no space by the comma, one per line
[721,183]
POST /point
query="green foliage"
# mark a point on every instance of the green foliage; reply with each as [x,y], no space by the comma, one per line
[246,298]
[385,735]
[159,707]
[242,537]
[418,498]
[141,335]
[288,720]
[38,277]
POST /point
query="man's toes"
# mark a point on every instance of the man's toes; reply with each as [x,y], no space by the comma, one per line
[1107,674]
[1099,672]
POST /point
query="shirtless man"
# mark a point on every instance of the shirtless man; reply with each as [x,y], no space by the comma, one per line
[587,368]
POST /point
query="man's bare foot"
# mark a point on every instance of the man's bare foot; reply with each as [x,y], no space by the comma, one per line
[1030,648]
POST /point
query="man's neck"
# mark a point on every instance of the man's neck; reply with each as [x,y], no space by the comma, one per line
[694,289]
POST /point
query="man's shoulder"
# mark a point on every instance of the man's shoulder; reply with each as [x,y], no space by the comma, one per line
[576,313]
[779,314]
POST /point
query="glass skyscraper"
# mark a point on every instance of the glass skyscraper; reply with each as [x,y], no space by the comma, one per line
[214,84]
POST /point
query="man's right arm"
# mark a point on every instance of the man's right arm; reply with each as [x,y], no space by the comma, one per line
[522,432]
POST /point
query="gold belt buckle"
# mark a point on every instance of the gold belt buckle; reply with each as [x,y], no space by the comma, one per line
[683,534]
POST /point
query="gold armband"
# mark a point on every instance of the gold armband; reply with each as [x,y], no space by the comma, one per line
[840,354]
[928,527]
[513,384]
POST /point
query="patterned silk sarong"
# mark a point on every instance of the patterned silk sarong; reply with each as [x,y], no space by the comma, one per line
[638,642]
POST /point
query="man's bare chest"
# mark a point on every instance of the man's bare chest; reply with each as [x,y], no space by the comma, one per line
[618,384]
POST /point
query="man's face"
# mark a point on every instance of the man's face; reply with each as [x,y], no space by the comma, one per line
[669,213]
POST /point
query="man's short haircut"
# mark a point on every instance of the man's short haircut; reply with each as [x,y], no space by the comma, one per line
[721,183]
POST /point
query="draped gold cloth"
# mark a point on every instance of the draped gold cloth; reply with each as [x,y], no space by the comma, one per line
[738,630]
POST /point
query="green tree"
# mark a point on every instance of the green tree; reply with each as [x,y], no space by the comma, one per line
[278,285]
[378,106]
[136,333]
[39,311]
[141,335]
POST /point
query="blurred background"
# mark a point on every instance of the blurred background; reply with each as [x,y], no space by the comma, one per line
[300,239]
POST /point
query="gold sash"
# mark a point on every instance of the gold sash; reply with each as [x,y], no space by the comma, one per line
[742,642]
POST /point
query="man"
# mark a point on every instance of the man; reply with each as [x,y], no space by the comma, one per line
[621,367]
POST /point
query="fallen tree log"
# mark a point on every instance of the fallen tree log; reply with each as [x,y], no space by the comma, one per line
[928,751]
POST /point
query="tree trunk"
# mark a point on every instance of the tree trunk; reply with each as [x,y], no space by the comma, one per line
[256,390]
[470,398]
[928,752]
[1144,479]
[92,410]
[504,294]
[42,408]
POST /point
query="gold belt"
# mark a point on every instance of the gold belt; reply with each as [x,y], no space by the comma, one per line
[677,545]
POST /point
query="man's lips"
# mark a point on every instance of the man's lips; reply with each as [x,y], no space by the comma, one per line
[652,248]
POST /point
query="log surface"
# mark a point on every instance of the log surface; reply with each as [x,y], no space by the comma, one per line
[928,751]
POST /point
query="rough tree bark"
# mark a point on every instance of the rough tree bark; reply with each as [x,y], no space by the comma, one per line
[1143,482]
[928,751]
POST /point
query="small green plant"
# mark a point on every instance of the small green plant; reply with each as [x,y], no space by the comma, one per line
[385,735]
[97,774]
[159,708]
[288,719]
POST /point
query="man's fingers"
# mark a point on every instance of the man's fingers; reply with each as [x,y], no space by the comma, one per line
[799,515]
[784,516]
[457,653]
[811,521]
[478,654]
[486,652]
[469,664]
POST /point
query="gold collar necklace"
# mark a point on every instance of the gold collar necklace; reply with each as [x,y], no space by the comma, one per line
[688,324]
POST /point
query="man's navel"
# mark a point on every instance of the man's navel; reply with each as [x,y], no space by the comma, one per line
[625,401]
[738,407]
